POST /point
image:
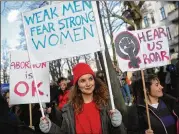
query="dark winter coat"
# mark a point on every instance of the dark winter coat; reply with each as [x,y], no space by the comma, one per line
[177,67]
[68,123]
[9,126]
[137,123]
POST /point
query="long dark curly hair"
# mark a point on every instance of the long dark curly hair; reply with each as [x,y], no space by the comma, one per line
[100,96]
[138,87]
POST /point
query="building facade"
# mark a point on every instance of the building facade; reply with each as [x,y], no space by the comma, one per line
[163,13]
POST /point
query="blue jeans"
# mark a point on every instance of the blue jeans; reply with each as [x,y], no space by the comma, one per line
[126,93]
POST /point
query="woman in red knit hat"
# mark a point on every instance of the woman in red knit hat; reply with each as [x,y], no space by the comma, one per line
[64,92]
[87,110]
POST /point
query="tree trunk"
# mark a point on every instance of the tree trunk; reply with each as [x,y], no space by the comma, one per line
[85,59]
[58,65]
[55,69]
[111,34]
[69,67]
[118,98]
[102,63]
[4,75]
[138,26]
[52,71]
[97,61]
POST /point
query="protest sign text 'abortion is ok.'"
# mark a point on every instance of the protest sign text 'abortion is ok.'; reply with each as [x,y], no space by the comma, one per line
[22,84]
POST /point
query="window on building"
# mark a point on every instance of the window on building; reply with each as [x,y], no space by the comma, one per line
[168,33]
[152,18]
[177,4]
[146,22]
[172,50]
[176,32]
[162,11]
[171,7]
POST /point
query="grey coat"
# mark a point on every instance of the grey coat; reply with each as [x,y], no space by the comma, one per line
[68,123]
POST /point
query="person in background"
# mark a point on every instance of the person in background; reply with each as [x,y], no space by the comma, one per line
[161,75]
[54,94]
[162,110]
[7,124]
[86,111]
[126,91]
[171,80]
[64,92]
[70,84]
[14,110]
[52,107]
[177,79]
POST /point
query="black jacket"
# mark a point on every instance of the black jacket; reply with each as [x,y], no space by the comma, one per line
[9,126]
[68,123]
[137,123]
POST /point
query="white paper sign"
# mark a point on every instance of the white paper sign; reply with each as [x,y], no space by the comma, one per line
[22,85]
[62,30]
[142,49]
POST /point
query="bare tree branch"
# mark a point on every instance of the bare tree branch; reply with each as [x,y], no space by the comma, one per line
[141,3]
[124,19]
[4,5]
[105,23]
[118,27]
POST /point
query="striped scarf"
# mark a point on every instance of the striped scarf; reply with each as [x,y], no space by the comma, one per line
[166,116]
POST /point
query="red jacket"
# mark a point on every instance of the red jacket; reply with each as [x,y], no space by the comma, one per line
[63,99]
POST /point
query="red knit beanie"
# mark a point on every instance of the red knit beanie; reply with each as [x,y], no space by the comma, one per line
[81,69]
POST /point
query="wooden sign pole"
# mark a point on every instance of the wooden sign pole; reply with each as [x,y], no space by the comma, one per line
[146,100]
[30,114]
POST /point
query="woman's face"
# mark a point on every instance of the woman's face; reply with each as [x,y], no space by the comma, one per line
[86,84]
[63,85]
[7,99]
[156,89]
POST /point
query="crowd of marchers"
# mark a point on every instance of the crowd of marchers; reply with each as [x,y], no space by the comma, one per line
[81,105]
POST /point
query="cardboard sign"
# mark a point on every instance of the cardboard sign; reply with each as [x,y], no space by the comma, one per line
[62,30]
[142,49]
[22,85]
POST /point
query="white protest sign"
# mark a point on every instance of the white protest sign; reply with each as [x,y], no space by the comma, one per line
[22,85]
[62,30]
[142,49]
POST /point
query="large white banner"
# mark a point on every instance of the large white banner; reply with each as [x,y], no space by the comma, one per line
[22,85]
[62,30]
[142,49]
